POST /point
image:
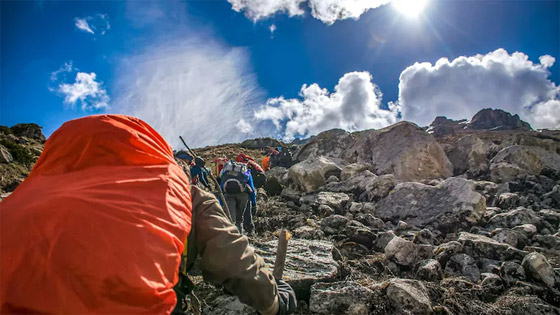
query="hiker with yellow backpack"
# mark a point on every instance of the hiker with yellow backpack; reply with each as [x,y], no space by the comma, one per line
[101,222]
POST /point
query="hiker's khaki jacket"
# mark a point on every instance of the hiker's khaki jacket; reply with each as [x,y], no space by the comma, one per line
[227,257]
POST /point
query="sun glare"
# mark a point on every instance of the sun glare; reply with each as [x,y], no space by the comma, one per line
[410,8]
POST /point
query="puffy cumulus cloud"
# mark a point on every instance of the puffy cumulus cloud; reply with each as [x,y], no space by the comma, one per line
[546,114]
[197,89]
[461,87]
[354,105]
[327,11]
[262,9]
[95,24]
[85,89]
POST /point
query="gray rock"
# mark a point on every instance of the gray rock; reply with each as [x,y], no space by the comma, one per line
[481,246]
[402,149]
[429,270]
[513,218]
[519,160]
[336,201]
[383,238]
[331,143]
[527,229]
[514,238]
[409,295]
[332,179]
[508,200]
[357,232]
[312,173]
[445,207]
[276,180]
[227,305]
[492,282]
[462,265]
[307,232]
[511,271]
[496,119]
[340,298]
[547,241]
[370,220]
[550,215]
[307,262]
[424,237]
[405,252]
[468,154]
[537,267]
[443,252]
[525,305]
[352,170]
[334,224]
[366,186]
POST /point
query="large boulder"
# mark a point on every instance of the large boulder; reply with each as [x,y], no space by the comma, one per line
[496,119]
[537,267]
[276,180]
[445,206]
[307,262]
[407,253]
[340,298]
[402,149]
[330,143]
[31,131]
[468,154]
[519,161]
[312,173]
[479,246]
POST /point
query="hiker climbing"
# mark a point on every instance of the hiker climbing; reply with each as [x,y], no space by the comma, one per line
[199,173]
[237,184]
[281,157]
[101,223]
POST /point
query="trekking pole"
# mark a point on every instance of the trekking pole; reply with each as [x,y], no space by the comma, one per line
[224,203]
[281,254]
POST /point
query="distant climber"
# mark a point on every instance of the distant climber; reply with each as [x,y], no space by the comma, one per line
[218,166]
[199,173]
[237,184]
[257,172]
[283,158]
[101,223]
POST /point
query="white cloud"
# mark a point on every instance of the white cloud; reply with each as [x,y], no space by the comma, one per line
[85,90]
[354,105]
[90,93]
[272,29]
[197,89]
[262,9]
[95,24]
[244,127]
[461,87]
[546,114]
[327,11]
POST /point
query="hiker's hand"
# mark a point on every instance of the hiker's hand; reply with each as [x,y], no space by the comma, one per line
[254,209]
[287,302]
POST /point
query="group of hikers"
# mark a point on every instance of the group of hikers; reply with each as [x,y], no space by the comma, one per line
[109,222]
[239,179]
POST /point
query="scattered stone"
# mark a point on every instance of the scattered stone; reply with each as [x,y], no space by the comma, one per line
[547,241]
[443,252]
[537,267]
[482,246]
[370,220]
[429,270]
[409,295]
[359,233]
[332,179]
[528,229]
[336,201]
[514,218]
[340,298]
[352,170]
[5,156]
[462,265]
[514,238]
[552,216]
[383,238]
[405,252]
[424,237]
[334,224]
[444,207]
[492,282]
[508,200]
[511,271]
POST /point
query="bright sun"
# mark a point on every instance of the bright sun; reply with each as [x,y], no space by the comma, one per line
[410,8]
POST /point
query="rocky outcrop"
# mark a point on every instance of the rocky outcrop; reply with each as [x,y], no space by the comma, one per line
[496,119]
[442,126]
[445,207]
[468,154]
[260,143]
[402,149]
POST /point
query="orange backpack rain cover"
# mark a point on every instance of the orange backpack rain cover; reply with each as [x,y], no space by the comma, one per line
[99,224]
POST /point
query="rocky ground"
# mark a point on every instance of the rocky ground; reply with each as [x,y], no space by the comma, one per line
[460,217]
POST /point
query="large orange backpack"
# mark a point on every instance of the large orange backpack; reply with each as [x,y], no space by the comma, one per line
[98,226]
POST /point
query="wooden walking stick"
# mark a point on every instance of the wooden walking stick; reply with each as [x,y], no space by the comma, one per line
[224,203]
[281,254]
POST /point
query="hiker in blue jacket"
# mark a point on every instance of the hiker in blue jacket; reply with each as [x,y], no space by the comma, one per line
[237,184]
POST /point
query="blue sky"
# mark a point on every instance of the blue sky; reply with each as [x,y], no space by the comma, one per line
[214,74]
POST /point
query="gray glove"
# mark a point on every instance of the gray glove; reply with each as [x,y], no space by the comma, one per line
[287,302]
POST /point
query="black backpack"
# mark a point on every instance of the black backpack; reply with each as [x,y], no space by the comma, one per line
[259,178]
[233,178]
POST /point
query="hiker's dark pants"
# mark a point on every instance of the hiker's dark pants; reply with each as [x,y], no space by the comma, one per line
[236,204]
[248,224]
